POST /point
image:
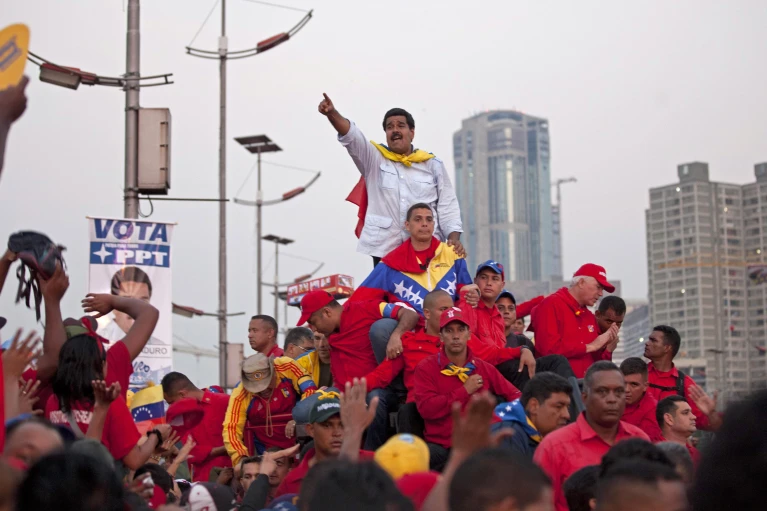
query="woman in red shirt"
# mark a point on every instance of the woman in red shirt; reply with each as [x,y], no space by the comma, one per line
[81,362]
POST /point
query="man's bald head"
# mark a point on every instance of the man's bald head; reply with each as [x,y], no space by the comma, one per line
[431,298]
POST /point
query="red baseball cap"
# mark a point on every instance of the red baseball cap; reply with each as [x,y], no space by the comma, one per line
[596,271]
[450,315]
[311,303]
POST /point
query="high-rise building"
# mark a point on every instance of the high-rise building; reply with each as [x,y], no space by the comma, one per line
[706,246]
[503,183]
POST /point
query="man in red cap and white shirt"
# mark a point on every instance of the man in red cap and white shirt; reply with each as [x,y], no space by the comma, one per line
[347,329]
[564,325]
[452,375]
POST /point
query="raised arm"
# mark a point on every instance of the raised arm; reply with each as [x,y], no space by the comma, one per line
[145,317]
[13,102]
[53,291]
[5,264]
[339,122]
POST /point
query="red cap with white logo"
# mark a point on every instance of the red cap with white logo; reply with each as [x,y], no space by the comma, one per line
[450,315]
[597,272]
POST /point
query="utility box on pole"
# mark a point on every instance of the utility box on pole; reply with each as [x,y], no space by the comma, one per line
[154,151]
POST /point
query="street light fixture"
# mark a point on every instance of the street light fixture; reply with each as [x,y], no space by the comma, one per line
[223,54]
[277,240]
[258,144]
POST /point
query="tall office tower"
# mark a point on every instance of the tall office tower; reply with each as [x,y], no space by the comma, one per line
[503,182]
[706,273]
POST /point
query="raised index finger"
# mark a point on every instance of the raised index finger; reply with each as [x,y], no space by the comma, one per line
[325,96]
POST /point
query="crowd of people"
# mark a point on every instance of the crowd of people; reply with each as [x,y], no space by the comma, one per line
[420,392]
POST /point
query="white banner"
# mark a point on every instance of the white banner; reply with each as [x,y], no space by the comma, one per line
[132,258]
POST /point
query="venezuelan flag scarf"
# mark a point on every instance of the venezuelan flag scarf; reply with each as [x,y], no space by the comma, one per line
[462,373]
[359,194]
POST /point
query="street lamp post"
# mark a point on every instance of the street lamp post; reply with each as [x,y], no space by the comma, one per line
[277,242]
[258,144]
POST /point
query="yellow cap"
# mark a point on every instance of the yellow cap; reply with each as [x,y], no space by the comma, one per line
[403,454]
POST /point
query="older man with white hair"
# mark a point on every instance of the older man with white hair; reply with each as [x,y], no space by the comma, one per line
[564,325]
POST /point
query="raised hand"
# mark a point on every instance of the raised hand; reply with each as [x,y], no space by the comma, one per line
[28,397]
[355,412]
[103,395]
[55,287]
[326,106]
[19,355]
[102,304]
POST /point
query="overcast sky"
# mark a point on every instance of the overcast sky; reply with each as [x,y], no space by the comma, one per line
[630,90]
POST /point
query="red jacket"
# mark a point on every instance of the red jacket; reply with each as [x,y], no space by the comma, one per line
[564,327]
[208,436]
[435,393]
[415,347]
[488,340]
[642,415]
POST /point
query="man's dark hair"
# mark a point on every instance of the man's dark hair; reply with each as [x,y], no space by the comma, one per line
[159,475]
[581,487]
[667,405]
[80,363]
[483,480]
[341,484]
[543,385]
[420,205]
[732,473]
[670,337]
[130,274]
[298,335]
[613,302]
[634,365]
[174,382]
[69,481]
[597,367]
[269,321]
[251,459]
[632,449]
[629,480]
[395,112]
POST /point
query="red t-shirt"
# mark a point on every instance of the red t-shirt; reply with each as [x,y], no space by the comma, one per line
[120,435]
[119,367]
[415,347]
[207,435]
[668,379]
[292,482]
[642,415]
[351,354]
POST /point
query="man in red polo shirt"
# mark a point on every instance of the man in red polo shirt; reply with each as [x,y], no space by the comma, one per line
[488,340]
[677,424]
[209,450]
[347,328]
[666,380]
[262,335]
[584,442]
[640,405]
[452,375]
[564,325]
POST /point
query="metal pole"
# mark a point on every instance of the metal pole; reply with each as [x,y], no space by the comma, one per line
[259,198]
[276,278]
[132,73]
[222,326]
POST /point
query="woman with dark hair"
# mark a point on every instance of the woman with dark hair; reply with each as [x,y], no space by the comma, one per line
[82,361]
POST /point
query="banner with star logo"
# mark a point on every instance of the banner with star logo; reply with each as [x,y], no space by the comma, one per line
[133,258]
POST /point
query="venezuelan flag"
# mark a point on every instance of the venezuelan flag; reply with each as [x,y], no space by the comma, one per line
[147,407]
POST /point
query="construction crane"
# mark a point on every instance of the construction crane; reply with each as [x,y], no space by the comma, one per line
[557,209]
[558,183]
